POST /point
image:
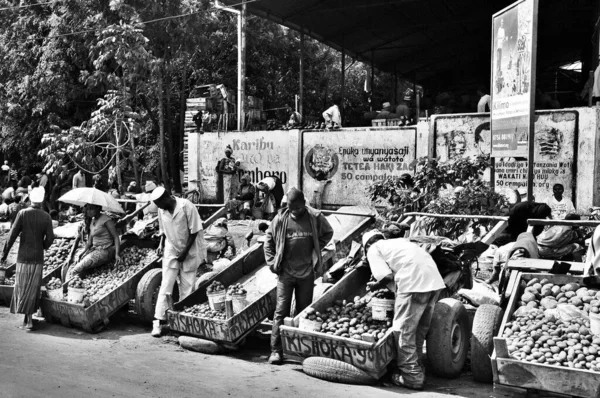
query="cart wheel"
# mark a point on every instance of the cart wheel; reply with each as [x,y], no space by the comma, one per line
[336,371]
[485,326]
[448,338]
[147,292]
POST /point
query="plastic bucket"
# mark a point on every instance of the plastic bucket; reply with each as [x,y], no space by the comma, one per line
[216,301]
[56,294]
[382,309]
[595,323]
[239,303]
[307,324]
[75,295]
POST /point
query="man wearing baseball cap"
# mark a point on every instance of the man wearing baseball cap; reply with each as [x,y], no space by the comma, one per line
[182,247]
[409,271]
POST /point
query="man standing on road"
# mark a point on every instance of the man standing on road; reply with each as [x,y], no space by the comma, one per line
[293,251]
[182,247]
[409,271]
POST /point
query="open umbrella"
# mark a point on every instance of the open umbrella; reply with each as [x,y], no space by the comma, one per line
[92,196]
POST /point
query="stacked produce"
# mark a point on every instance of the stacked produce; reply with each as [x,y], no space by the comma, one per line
[76,283]
[54,284]
[204,311]
[351,319]
[57,254]
[106,279]
[236,290]
[384,294]
[215,287]
[9,281]
[552,327]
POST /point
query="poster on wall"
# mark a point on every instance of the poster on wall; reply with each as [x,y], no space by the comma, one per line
[513,78]
[555,159]
[259,155]
[340,166]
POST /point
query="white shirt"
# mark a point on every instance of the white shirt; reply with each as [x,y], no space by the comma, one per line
[177,228]
[560,209]
[413,268]
[5,167]
[483,101]
[333,114]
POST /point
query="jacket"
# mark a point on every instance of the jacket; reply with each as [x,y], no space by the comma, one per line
[276,234]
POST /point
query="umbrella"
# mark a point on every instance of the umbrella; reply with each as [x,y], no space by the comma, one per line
[92,196]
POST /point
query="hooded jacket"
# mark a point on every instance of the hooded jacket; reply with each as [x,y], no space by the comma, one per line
[276,235]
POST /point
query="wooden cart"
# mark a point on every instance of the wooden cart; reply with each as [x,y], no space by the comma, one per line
[244,270]
[520,377]
[94,318]
[372,358]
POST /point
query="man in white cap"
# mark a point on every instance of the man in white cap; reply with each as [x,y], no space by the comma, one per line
[182,247]
[409,271]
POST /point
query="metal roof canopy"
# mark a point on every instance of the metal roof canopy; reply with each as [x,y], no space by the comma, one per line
[423,38]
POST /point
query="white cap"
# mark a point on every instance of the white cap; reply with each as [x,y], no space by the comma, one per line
[369,234]
[37,195]
[157,193]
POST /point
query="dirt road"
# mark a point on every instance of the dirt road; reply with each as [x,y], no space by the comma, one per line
[125,361]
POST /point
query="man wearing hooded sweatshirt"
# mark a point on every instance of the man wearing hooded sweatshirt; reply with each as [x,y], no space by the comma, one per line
[293,251]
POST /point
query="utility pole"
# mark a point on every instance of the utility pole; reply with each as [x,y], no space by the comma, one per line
[301,79]
[241,44]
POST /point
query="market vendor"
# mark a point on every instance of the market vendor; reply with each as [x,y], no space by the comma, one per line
[239,207]
[182,248]
[386,111]
[34,227]
[227,169]
[559,205]
[270,194]
[332,116]
[103,244]
[409,271]
[560,242]
[518,216]
[219,241]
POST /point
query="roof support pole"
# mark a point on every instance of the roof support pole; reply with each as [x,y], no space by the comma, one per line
[301,79]
[343,84]
[372,80]
[395,85]
[241,44]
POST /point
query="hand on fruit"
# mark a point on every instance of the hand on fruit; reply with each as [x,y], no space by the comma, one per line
[373,286]
[118,259]
[159,251]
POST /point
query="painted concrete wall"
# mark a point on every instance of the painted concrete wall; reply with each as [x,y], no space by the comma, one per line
[444,136]
[343,164]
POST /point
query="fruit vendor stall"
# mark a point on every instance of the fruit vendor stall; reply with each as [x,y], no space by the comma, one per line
[252,288]
[549,338]
[346,335]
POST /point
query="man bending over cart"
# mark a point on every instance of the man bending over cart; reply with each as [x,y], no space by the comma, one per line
[410,272]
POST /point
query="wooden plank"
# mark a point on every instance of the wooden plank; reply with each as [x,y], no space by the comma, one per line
[494,232]
[459,216]
[536,264]
[571,223]
[222,212]
[577,382]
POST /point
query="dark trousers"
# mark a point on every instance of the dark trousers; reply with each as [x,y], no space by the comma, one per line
[287,286]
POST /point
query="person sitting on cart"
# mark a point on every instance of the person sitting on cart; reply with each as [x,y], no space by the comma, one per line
[332,116]
[270,195]
[518,216]
[560,242]
[242,204]
[411,273]
[103,244]
[219,241]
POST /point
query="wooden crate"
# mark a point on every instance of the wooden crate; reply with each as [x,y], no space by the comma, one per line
[241,270]
[533,376]
[372,358]
[94,318]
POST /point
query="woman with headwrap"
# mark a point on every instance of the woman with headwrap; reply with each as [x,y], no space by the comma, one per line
[242,204]
[219,241]
[226,170]
[269,196]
